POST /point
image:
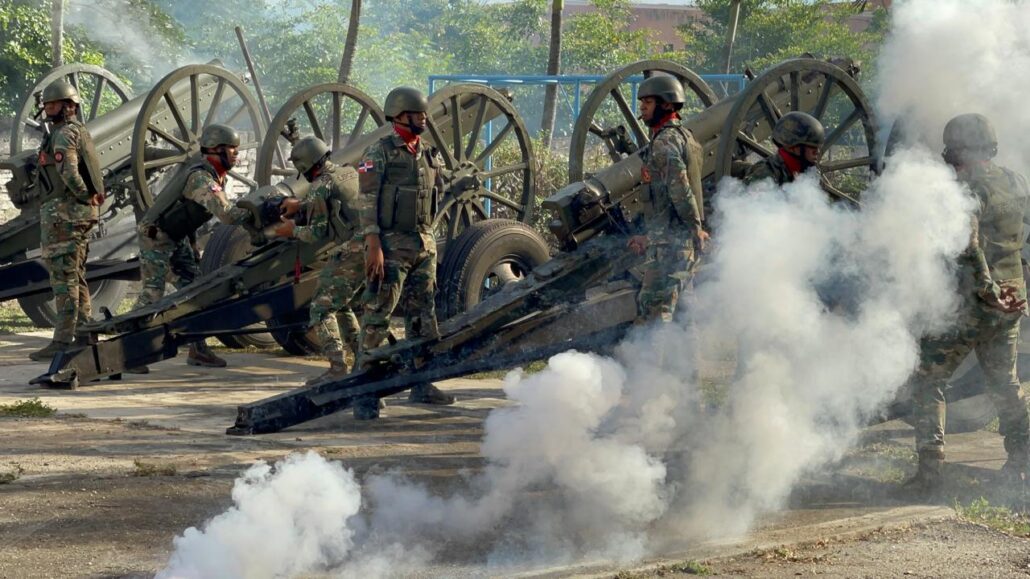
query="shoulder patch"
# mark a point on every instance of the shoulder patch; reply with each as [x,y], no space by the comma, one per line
[59,156]
[215,188]
[365,166]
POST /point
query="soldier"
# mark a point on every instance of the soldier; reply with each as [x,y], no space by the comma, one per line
[400,179]
[169,227]
[73,191]
[994,300]
[799,137]
[332,210]
[671,214]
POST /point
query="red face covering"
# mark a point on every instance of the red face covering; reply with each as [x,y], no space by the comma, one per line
[661,123]
[793,163]
[410,139]
[216,162]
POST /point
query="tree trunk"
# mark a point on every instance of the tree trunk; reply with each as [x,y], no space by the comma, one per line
[57,32]
[351,43]
[731,34]
[553,69]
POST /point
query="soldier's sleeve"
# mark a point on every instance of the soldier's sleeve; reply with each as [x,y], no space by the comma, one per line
[66,156]
[203,189]
[317,209]
[757,172]
[370,177]
[672,160]
[974,254]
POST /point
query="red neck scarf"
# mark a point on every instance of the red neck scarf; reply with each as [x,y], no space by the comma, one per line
[216,162]
[793,163]
[410,139]
[672,115]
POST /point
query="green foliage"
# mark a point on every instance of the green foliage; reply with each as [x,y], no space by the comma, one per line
[601,41]
[1002,519]
[32,408]
[13,319]
[141,468]
[8,477]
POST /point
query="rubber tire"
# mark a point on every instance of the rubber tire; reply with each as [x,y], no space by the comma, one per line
[104,294]
[470,257]
[226,245]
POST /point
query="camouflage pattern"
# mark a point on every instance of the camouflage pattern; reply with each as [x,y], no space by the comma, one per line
[771,167]
[991,262]
[66,219]
[330,186]
[671,218]
[209,193]
[410,257]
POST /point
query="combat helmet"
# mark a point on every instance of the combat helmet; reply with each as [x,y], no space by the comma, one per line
[665,87]
[307,152]
[216,135]
[798,128]
[404,99]
[60,90]
[971,133]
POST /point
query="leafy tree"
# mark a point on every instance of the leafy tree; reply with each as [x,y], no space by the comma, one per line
[601,41]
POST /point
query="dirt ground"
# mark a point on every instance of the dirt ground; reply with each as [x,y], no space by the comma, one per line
[102,488]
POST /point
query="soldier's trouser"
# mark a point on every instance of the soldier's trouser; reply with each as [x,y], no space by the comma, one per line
[330,311]
[411,273]
[159,256]
[994,337]
[668,265]
[65,249]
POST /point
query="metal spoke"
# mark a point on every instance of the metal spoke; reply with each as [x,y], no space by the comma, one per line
[837,133]
[33,123]
[236,114]
[177,115]
[243,178]
[834,166]
[504,170]
[824,98]
[313,119]
[249,145]
[502,200]
[459,154]
[772,113]
[448,156]
[94,106]
[627,112]
[164,162]
[194,104]
[335,122]
[795,90]
[489,149]
[476,127]
[76,82]
[358,125]
[752,144]
[477,206]
[172,139]
[216,101]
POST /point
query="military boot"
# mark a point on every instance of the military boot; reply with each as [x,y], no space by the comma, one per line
[49,351]
[337,369]
[368,407]
[927,481]
[201,355]
[427,393]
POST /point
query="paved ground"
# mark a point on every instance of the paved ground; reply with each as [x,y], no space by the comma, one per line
[127,465]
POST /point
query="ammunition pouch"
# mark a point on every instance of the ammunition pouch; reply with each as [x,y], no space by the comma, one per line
[183,219]
[405,208]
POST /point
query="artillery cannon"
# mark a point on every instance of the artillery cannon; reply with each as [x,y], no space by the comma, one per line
[137,141]
[585,297]
[277,280]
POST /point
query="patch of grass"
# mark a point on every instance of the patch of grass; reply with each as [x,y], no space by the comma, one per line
[690,567]
[999,518]
[13,320]
[531,368]
[141,468]
[32,408]
[11,476]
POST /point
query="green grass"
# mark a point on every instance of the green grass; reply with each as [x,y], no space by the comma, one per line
[32,408]
[690,567]
[141,468]
[13,320]
[999,518]
[11,476]
[531,368]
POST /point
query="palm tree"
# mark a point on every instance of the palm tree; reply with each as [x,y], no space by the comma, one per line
[553,68]
[351,43]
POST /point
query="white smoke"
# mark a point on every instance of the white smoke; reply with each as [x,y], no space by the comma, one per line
[948,57]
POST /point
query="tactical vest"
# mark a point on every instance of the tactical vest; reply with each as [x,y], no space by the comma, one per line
[1005,196]
[652,205]
[178,216]
[407,193]
[50,179]
[344,194]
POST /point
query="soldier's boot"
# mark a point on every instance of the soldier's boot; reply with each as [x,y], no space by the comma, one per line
[368,407]
[138,370]
[427,393]
[49,351]
[337,369]
[928,480]
[201,355]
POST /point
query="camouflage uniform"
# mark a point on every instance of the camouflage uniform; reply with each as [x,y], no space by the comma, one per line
[399,200]
[772,167]
[162,252]
[991,262]
[344,274]
[671,217]
[67,217]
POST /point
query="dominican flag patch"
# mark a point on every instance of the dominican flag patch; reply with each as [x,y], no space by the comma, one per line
[365,166]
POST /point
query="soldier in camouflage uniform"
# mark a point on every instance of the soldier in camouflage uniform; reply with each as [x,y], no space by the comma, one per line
[994,300]
[400,181]
[73,190]
[672,207]
[799,137]
[332,210]
[167,229]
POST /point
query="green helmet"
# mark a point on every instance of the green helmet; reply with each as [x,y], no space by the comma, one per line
[404,99]
[307,152]
[60,90]
[797,128]
[665,87]
[971,132]
[217,135]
